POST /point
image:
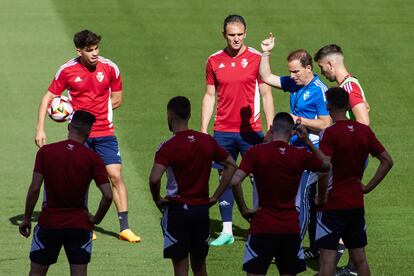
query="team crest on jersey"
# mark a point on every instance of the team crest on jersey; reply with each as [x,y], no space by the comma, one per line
[70,147]
[100,76]
[191,138]
[306,95]
[244,63]
[282,150]
[233,64]
[351,128]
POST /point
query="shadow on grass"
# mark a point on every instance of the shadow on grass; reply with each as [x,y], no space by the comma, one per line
[16,220]
[217,225]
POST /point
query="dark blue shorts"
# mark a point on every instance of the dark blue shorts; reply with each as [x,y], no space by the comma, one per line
[261,249]
[186,231]
[107,148]
[348,224]
[46,245]
[237,142]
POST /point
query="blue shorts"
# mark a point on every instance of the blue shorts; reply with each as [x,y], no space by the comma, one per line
[237,142]
[107,148]
[46,245]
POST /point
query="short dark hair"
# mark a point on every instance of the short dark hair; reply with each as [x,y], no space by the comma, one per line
[86,38]
[180,106]
[233,18]
[82,122]
[302,55]
[328,50]
[283,123]
[337,98]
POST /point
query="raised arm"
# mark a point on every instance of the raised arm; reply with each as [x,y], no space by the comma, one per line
[230,167]
[265,72]
[40,138]
[207,107]
[268,107]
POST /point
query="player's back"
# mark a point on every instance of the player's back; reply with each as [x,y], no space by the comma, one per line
[349,144]
[68,167]
[189,155]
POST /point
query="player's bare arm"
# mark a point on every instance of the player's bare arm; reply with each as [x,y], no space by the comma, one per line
[155,185]
[116,99]
[230,167]
[318,124]
[321,197]
[31,200]
[40,138]
[268,106]
[360,112]
[384,167]
[235,183]
[104,204]
[265,72]
[207,107]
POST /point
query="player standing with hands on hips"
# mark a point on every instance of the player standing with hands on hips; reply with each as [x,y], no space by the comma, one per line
[66,168]
[308,104]
[233,74]
[93,84]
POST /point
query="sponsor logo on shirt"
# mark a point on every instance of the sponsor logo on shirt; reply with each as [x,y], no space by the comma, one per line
[233,64]
[282,150]
[221,65]
[351,128]
[99,76]
[244,63]
[306,95]
[78,79]
[70,147]
[191,138]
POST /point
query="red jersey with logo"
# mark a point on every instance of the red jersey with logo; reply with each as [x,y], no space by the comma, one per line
[188,156]
[277,168]
[68,167]
[236,80]
[90,90]
[348,143]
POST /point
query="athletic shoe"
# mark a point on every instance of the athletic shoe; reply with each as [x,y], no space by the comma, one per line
[223,239]
[310,254]
[129,236]
[345,271]
[93,235]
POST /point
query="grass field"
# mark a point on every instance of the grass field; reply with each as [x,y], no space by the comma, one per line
[161,48]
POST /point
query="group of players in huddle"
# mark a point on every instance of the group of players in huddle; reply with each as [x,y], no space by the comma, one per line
[306,171]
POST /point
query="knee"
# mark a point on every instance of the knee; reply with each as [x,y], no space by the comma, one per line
[116,178]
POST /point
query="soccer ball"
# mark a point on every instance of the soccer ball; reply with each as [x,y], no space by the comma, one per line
[60,109]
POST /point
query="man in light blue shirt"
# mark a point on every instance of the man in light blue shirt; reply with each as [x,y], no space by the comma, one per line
[307,106]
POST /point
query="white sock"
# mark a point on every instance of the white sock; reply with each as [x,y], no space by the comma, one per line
[227,227]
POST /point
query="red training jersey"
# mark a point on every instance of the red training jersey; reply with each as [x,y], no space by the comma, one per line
[188,156]
[236,80]
[90,90]
[68,167]
[348,143]
[277,168]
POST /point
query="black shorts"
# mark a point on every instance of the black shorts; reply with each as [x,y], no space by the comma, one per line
[186,231]
[46,245]
[346,224]
[262,248]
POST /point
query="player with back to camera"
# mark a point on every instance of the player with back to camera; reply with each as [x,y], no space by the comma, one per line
[274,227]
[94,84]
[187,158]
[347,145]
[66,168]
[233,74]
[308,104]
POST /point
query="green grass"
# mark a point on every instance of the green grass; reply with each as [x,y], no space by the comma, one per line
[161,48]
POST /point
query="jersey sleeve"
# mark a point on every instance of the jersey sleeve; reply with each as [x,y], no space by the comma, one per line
[287,83]
[116,83]
[210,79]
[219,153]
[38,167]
[162,157]
[355,94]
[375,146]
[326,145]
[247,162]
[59,83]
[320,104]
[100,176]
